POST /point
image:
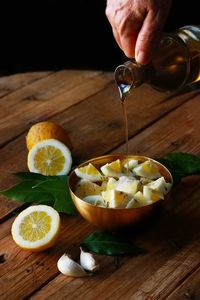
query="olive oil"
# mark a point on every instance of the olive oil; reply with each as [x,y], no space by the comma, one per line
[125,125]
[125,117]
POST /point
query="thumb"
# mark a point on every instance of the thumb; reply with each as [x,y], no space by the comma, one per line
[148,37]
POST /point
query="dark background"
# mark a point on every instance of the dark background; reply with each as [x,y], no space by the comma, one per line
[58,34]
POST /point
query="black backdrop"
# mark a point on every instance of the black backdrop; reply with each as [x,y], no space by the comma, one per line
[57,34]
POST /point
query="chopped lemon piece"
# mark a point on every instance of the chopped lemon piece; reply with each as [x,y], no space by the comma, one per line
[130,164]
[104,185]
[141,200]
[160,185]
[95,200]
[88,172]
[50,157]
[127,185]
[152,195]
[132,203]
[147,169]
[112,183]
[86,188]
[36,228]
[113,169]
[115,199]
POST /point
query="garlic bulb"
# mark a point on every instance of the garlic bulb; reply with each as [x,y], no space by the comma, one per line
[69,267]
[88,262]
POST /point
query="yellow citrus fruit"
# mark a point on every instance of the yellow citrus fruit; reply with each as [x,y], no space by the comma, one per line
[88,172]
[36,228]
[46,130]
[113,169]
[50,157]
[85,188]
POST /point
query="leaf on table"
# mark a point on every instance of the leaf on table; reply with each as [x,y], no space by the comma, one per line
[110,244]
[60,191]
[42,190]
[181,164]
[39,177]
[189,163]
[25,192]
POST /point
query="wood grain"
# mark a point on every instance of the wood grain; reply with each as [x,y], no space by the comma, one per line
[87,122]
[44,98]
[87,105]
[101,116]
[9,84]
[27,271]
[189,289]
[182,135]
[163,241]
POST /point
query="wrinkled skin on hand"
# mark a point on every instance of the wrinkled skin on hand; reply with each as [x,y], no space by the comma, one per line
[137,25]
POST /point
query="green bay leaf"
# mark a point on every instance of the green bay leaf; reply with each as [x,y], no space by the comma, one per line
[39,177]
[60,191]
[110,244]
[25,192]
[181,164]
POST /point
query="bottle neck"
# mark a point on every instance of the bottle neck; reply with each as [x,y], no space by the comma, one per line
[130,75]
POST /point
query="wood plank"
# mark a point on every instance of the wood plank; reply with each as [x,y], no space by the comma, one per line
[189,289]
[9,84]
[122,281]
[106,119]
[41,267]
[36,268]
[169,235]
[87,135]
[172,273]
[42,99]
[173,135]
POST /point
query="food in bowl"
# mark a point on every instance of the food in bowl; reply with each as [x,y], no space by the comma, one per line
[122,183]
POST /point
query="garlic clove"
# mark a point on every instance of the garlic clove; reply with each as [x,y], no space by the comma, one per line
[88,261]
[69,267]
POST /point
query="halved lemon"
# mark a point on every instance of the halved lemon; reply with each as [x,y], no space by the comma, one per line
[89,172]
[36,228]
[50,157]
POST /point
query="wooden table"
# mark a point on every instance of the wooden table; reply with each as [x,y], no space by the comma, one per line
[86,104]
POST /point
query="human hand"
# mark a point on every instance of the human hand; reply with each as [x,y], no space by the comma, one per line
[137,25]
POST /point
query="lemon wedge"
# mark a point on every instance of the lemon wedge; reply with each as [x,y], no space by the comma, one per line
[115,199]
[113,169]
[111,185]
[127,185]
[50,157]
[96,200]
[130,163]
[85,188]
[36,228]
[147,169]
[160,185]
[152,195]
[141,200]
[88,172]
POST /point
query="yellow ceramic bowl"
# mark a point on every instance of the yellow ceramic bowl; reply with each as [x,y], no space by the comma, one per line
[115,218]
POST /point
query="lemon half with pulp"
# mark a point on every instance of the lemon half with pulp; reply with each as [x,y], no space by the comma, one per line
[50,157]
[36,228]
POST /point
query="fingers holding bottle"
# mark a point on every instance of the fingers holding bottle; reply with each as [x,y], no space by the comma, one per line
[137,25]
[151,31]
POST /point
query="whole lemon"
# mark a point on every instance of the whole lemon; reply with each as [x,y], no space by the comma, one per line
[46,130]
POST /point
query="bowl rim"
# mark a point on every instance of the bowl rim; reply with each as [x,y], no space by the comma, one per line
[124,156]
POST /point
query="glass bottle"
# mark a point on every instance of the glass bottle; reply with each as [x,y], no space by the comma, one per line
[176,62]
